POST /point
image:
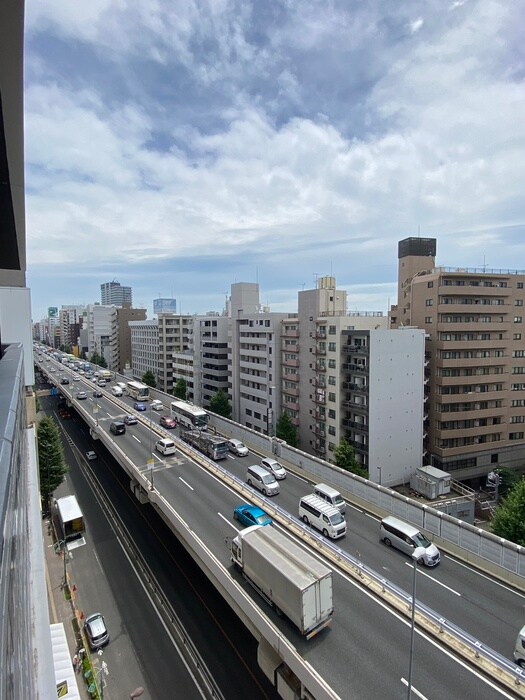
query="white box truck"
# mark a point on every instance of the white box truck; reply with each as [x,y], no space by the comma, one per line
[289,578]
[70,517]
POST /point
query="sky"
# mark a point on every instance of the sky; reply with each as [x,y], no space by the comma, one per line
[179,146]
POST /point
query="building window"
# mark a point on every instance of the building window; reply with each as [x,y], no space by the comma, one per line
[331,413]
[331,430]
[331,397]
[430,285]
[332,364]
[332,330]
[520,285]
[518,370]
[516,336]
[332,347]
[517,419]
[518,302]
[429,302]
[332,380]
[516,436]
[517,319]
[428,319]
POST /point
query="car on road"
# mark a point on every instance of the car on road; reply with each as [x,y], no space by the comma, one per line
[76,378]
[251,515]
[97,394]
[238,448]
[273,466]
[117,427]
[91,455]
[64,380]
[101,382]
[81,395]
[130,420]
[96,630]
[157,405]
[139,406]
[168,422]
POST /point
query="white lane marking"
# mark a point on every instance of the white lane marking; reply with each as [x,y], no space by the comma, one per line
[423,573]
[136,438]
[230,457]
[414,690]
[478,573]
[186,484]
[368,515]
[159,458]
[227,521]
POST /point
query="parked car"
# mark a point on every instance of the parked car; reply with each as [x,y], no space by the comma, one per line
[168,422]
[157,405]
[274,467]
[130,420]
[81,395]
[90,454]
[251,515]
[238,448]
[96,631]
[139,406]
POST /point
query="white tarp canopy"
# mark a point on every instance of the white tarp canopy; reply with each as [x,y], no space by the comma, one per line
[64,673]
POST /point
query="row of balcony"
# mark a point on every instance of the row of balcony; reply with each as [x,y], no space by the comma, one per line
[357,349]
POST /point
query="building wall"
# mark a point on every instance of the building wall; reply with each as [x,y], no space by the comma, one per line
[211,357]
[115,293]
[144,347]
[124,316]
[175,336]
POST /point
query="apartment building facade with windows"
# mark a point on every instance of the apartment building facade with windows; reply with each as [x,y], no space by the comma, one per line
[175,336]
[144,347]
[211,357]
[475,325]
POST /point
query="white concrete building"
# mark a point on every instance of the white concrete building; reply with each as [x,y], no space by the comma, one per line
[144,347]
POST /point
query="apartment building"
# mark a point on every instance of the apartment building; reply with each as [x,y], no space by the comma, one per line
[255,344]
[144,347]
[71,319]
[175,334]
[211,358]
[113,293]
[125,315]
[475,333]
[103,333]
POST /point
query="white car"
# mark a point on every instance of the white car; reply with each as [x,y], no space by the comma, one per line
[238,448]
[157,405]
[273,466]
[91,455]
[76,378]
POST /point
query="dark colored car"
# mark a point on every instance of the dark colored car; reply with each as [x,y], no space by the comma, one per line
[139,406]
[97,394]
[64,380]
[96,631]
[117,427]
[251,515]
[130,420]
[168,422]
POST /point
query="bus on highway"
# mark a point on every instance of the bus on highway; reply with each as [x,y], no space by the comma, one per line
[189,416]
[137,391]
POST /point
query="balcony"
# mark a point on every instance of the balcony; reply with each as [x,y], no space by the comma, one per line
[319,430]
[290,334]
[319,335]
[291,363]
[320,382]
[320,366]
[291,377]
[291,391]
[357,349]
[352,367]
[319,350]
[320,398]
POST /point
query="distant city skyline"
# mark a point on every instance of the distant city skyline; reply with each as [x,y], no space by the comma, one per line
[270,143]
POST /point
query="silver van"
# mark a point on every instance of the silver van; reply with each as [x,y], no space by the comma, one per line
[262,479]
[519,648]
[396,533]
[324,517]
[331,496]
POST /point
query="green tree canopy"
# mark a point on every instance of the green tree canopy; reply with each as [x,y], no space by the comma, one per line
[148,378]
[180,389]
[286,430]
[344,458]
[220,404]
[508,479]
[51,462]
[509,519]
[97,359]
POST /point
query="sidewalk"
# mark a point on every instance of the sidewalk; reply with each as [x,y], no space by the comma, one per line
[60,609]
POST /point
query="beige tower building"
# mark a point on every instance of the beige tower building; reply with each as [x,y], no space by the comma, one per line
[475,357]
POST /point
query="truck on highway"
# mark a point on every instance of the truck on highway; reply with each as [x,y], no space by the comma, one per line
[214,446]
[289,578]
[105,374]
[70,517]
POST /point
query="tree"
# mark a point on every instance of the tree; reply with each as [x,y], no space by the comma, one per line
[148,378]
[220,404]
[97,359]
[509,519]
[180,389]
[507,479]
[345,459]
[286,430]
[51,463]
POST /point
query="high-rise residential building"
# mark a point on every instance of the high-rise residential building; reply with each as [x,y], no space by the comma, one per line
[71,319]
[124,316]
[164,306]
[144,347]
[114,293]
[255,344]
[175,336]
[103,333]
[475,333]
[211,358]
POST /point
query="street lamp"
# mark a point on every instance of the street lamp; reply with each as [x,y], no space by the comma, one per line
[417,556]
[150,457]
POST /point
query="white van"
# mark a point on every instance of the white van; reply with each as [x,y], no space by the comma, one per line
[331,496]
[324,517]
[116,391]
[519,648]
[396,533]
[165,446]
